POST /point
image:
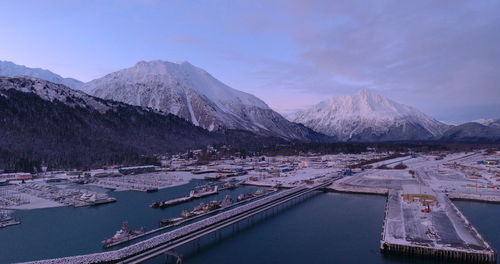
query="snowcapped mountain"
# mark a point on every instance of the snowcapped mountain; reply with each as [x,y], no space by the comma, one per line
[45,122]
[11,69]
[492,122]
[366,116]
[193,94]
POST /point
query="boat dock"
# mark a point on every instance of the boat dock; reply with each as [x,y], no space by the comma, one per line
[184,221]
[165,242]
[205,190]
[436,229]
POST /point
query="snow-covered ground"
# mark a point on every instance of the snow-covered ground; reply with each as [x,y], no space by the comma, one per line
[145,181]
[288,179]
[457,174]
[35,203]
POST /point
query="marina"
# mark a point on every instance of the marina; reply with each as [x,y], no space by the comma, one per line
[186,216]
[160,244]
[49,194]
[7,220]
[416,180]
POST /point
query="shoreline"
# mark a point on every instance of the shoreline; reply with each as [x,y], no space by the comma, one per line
[35,203]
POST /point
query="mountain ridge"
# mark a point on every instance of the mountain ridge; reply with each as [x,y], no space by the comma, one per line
[366,116]
[44,122]
[483,130]
[193,94]
[10,69]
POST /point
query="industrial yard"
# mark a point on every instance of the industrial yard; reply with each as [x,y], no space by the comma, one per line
[430,225]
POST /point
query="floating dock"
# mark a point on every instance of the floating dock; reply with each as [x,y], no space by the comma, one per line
[441,231]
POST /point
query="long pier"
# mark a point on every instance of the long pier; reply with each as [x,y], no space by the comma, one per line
[187,220]
[165,242]
[449,236]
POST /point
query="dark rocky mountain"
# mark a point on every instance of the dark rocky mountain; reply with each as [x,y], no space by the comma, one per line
[44,122]
[474,132]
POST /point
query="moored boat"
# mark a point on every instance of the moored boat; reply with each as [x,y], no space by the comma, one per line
[122,235]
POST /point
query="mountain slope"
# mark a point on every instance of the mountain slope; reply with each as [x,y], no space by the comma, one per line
[11,69]
[366,116]
[46,122]
[193,94]
[492,122]
[485,130]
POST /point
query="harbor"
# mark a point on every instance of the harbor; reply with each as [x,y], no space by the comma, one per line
[200,211]
[7,220]
[94,223]
[40,194]
[162,243]
[208,197]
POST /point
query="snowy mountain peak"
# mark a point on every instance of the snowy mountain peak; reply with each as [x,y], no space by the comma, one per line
[183,63]
[187,91]
[368,116]
[366,93]
[181,75]
[365,104]
[163,67]
[11,69]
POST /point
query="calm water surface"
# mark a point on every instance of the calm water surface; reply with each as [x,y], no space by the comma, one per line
[327,228]
[65,231]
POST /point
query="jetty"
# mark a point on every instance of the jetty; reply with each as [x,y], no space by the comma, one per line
[430,225]
[191,219]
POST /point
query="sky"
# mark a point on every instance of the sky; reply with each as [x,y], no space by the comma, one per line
[441,56]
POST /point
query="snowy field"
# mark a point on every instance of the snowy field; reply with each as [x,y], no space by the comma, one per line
[289,179]
[146,181]
[459,175]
